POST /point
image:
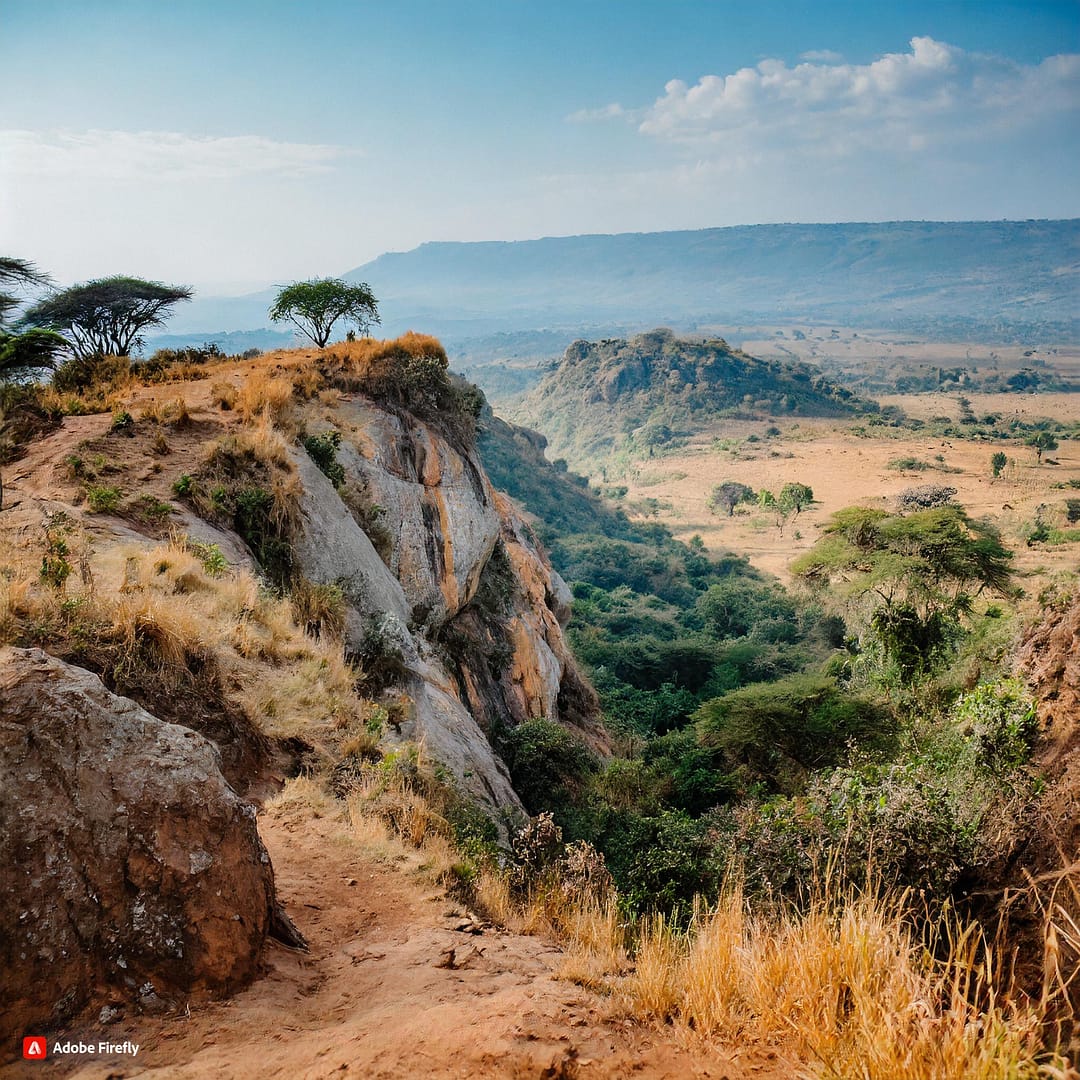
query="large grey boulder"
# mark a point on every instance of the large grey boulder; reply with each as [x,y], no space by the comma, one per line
[127,863]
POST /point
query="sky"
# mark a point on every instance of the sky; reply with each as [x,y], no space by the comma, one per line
[231,145]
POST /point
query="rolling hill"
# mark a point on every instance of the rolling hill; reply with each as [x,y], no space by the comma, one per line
[648,391]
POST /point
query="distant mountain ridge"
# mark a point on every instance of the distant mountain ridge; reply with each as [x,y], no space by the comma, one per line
[980,276]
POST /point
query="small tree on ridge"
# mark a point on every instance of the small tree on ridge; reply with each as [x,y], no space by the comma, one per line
[313,307]
[105,317]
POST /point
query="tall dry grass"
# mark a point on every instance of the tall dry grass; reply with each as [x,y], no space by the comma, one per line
[264,395]
[846,985]
[155,610]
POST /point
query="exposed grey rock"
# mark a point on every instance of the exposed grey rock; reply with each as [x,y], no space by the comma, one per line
[331,549]
[436,503]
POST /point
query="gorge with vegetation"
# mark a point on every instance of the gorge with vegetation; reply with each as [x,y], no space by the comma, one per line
[322,681]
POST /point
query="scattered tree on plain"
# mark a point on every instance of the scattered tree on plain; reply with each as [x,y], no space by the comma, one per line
[313,307]
[793,497]
[791,500]
[998,462]
[726,496]
[107,316]
[914,576]
[1040,442]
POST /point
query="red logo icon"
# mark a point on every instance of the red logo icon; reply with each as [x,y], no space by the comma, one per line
[34,1047]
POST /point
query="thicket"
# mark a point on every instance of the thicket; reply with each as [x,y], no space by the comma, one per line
[781,732]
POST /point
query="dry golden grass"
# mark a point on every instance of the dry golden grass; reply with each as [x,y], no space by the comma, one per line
[223,395]
[846,985]
[303,796]
[264,395]
[155,608]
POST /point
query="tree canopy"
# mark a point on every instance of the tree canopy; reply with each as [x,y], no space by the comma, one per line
[726,496]
[916,573]
[1042,440]
[106,317]
[22,354]
[313,307]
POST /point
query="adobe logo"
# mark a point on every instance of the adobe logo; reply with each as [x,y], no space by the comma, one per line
[34,1048]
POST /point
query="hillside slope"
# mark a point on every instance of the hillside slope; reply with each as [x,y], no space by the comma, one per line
[302,560]
[645,391]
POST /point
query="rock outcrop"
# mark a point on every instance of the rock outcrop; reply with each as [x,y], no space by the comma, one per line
[471,663]
[129,865]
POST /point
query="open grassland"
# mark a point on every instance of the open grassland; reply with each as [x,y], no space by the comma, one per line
[845,462]
[879,357]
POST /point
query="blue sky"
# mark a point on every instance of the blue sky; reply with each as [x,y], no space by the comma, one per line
[234,144]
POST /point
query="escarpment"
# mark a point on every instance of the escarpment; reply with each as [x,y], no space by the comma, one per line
[281,568]
[446,586]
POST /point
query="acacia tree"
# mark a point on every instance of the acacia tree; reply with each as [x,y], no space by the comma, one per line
[313,307]
[106,317]
[914,576]
[33,350]
[791,500]
[1039,442]
[727,496]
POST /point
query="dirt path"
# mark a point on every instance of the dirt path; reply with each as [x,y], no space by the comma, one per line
[377,996]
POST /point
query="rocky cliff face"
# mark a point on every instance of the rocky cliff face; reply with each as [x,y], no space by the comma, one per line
[130,863]
[458,593]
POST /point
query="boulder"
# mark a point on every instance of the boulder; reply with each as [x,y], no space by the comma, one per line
[129,866]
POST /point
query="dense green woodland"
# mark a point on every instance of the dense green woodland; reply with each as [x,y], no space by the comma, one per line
[784,729]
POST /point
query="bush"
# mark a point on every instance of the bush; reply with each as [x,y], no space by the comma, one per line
[103,500]
[773,732]
[1001,723]
[548,765]
[925,496]
[77,374]
[323,451]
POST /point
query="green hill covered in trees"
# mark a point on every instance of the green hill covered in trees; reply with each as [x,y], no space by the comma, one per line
[646,392]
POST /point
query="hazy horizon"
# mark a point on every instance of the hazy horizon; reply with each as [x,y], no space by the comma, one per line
[236,146]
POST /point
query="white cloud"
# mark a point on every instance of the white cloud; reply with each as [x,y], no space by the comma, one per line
[824,56]
[935,94]
[605,112]
[161,155]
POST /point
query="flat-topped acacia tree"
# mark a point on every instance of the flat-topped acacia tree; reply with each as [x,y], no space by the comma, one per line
[313,307]
[105,317]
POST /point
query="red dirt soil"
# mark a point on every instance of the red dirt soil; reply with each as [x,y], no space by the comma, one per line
[375,996]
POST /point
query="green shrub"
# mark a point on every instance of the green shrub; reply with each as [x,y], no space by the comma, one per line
[148,508]
[55,568]
[773,733]
[102,499]
[548,764]
[210,555]
[1001,724]
[123,422]
[323,451]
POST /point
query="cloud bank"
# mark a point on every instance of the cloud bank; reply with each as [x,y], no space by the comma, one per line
[160,155]
[935,93]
